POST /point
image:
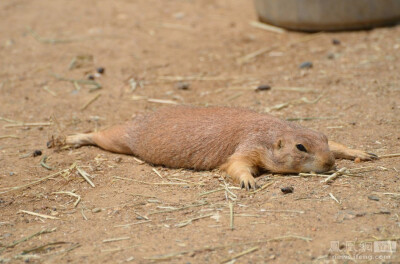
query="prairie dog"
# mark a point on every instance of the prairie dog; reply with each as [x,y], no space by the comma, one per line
[238,141]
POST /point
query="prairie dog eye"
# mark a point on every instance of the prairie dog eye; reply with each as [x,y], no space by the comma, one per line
[301,147]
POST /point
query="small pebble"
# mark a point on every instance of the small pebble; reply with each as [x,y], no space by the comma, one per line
[91,77]
[11,173]
[96,210]
[306,65]
[335,42]
[287,190]
[182,86]
[263,87]
[54,213]
[118,159]
[37,152]
[100,70]
[357,160]
[373,198]
[331,56]
[50,143]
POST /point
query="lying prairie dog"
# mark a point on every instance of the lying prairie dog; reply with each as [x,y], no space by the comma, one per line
[238,141]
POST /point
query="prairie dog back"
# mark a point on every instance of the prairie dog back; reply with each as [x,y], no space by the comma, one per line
[187,137]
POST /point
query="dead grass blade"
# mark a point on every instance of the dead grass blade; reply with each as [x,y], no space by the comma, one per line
[335,175]
[161,101]
[39,215]
[189,221]
[28,124]
[42,247]
[389,155]
[115,239]
[95,84]
[90,102]
[71,194]
[180,208]
[212,191]
[231,215]
[9,136]
[210,248]
[247,58]
[262,187]
[41,232]
[151,183]
[267,27]
[85,175]
[131,224]
[35,182]
[43,163]
[241,254]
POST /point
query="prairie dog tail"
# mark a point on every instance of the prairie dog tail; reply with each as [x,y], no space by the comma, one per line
[114,139]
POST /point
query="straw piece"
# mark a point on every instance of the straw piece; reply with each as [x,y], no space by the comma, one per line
[74,195]
[389,155]
[9,136]
[95,84]
[83,215]
[209,248]
[335,175]
[158,173]
[284,211]
[311,118]
[194,78]
[247,58]
[212,191]
[90,102]
[161,101]
[9,120]
[28,124]
[42,247]
[334,198]
[131,224]
[189,221]
[39,215]
[41,232]
[85,175]
[43,163]
[267,27]
[115,239]
[250,250]
[231,213]
[180,208]
[35,182]
[150,183]
[262,187]
[138,160]
[47,89]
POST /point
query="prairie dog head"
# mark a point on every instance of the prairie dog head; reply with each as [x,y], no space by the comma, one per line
[302,151]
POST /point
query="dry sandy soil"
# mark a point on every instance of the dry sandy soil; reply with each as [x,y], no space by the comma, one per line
[129,216]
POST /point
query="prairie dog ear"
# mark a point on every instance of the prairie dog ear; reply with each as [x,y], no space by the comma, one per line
[279,144]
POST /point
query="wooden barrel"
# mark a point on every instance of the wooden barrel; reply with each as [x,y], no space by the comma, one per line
[317,15]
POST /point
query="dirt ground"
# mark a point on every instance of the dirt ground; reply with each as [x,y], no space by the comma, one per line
[151,50]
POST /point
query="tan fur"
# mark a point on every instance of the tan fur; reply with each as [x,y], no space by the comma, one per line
[238,141]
